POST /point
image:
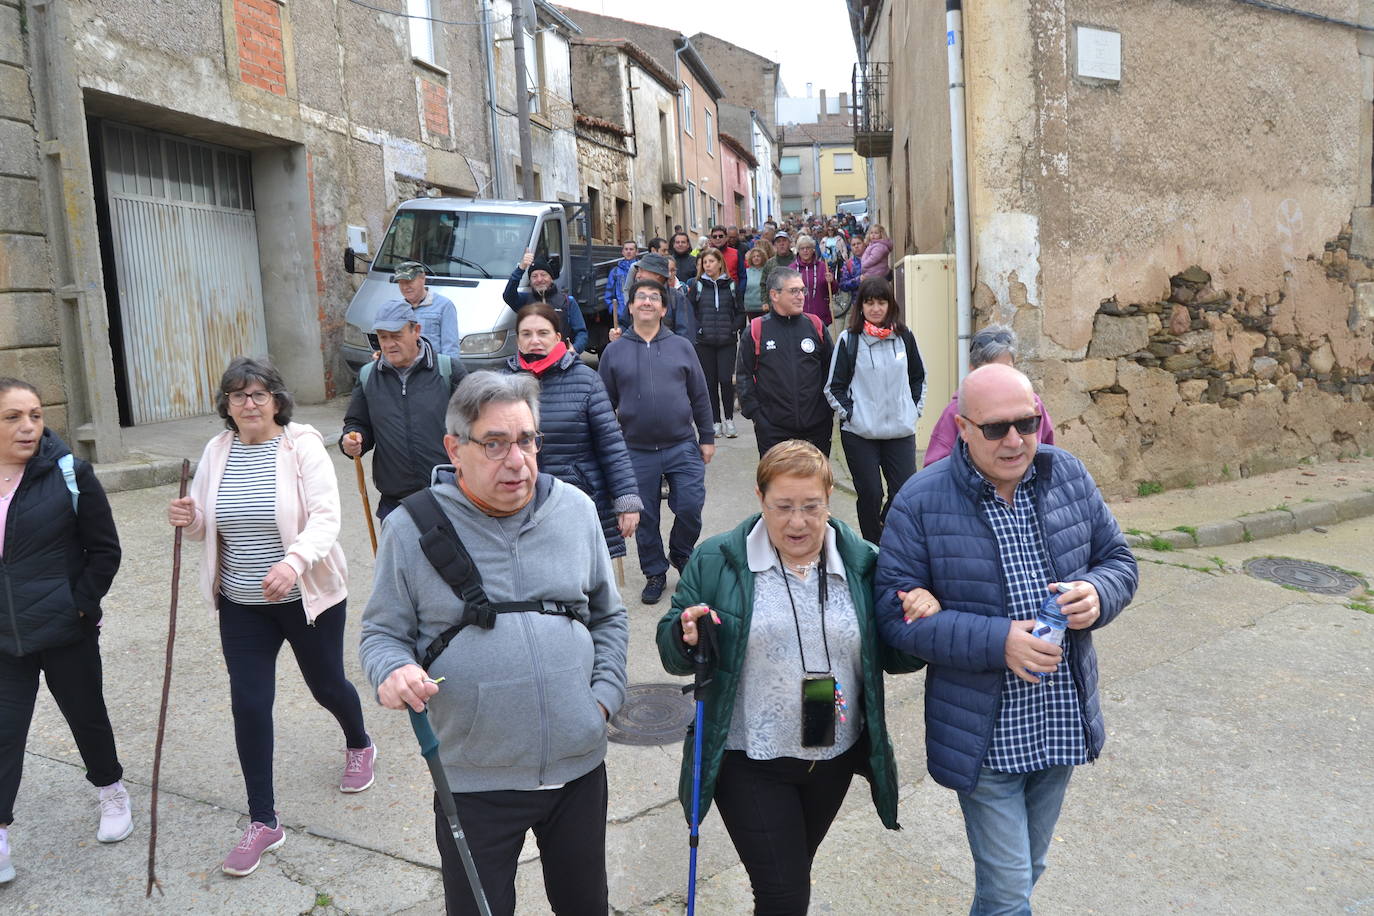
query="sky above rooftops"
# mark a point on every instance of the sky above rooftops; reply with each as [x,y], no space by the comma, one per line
[811,40]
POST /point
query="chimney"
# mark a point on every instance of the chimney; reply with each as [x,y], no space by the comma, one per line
[824,113]
[844,108]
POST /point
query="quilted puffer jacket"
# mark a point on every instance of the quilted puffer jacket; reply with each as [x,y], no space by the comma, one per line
[938,538]
[58,563]
[583,444]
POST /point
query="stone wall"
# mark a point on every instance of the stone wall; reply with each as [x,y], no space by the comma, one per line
[1207,383]
[29,334]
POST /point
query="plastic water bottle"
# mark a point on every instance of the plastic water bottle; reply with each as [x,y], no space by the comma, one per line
[1050,624]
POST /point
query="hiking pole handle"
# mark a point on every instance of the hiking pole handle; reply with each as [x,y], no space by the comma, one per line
[424,733]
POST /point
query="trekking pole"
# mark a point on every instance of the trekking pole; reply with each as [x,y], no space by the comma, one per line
[166,687]
[367,505]
[429,749]
[703,668]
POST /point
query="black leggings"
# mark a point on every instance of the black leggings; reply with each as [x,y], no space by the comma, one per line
[870,462]
[73,674]
[251,635]
[777,813]
[718,362]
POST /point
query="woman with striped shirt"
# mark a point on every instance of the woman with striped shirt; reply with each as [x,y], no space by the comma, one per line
[265,502]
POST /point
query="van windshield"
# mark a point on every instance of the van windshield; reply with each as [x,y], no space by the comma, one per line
[456,244]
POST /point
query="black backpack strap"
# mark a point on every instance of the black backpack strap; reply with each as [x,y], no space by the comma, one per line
[450,559]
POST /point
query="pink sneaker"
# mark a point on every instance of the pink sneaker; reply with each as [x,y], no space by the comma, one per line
[244,858]
[357,774]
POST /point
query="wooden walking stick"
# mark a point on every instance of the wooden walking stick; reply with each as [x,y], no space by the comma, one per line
[367,505]
[166,687]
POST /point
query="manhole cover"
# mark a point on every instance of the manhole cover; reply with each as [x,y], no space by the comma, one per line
[652,714]
[1303,574]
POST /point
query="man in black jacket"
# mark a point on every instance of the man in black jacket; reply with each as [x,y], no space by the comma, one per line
[398,407]
[784,358]
[657,388]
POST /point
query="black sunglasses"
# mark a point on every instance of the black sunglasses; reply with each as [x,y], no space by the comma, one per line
[994,432]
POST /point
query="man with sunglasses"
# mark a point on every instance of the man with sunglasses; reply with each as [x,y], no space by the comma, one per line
[990,533]
[658,390]
[537,667]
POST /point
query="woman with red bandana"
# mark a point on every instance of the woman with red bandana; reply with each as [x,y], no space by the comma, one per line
[877,386]
[583,444]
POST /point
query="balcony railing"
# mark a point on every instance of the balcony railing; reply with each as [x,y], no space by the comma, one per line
[872,109]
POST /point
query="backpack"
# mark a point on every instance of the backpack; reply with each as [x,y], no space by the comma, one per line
[756,329]
[451,560]
[68,465]
[445,369]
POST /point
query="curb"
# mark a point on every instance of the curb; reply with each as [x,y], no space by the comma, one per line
[1259,525]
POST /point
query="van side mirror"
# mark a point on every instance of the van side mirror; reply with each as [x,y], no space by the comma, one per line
[350,259]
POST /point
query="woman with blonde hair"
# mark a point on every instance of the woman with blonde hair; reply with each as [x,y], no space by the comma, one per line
[796,706]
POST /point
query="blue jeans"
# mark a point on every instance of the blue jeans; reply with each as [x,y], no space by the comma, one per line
[1009,818]
[686,473]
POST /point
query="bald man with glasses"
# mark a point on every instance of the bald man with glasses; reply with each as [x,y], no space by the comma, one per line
[784,358]
[990,533]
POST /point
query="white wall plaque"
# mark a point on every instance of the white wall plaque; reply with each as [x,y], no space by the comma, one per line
[1099,53]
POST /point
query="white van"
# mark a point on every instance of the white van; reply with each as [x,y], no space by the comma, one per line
[856,208]
[469,249]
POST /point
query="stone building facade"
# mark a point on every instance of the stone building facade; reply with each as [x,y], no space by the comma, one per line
[287,122]
[626,122]
[1179,245]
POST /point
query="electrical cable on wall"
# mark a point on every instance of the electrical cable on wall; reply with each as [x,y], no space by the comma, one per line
[378,9]
[1305,14]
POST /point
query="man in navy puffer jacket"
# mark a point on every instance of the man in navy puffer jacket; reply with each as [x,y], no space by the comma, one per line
[987,533]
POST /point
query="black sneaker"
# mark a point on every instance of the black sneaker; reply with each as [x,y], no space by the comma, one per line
[653,588]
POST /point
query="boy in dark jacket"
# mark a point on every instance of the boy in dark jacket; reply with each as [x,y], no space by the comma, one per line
[990,532]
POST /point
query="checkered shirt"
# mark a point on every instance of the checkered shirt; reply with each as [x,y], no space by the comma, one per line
[1038,725]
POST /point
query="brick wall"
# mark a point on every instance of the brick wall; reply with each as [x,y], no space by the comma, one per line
[262,61]
[436,108]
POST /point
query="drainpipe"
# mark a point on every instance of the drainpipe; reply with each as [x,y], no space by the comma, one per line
[681,44]
[498,175]
[963,275]
[816,175]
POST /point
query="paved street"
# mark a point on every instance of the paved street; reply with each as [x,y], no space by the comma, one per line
[1237,776]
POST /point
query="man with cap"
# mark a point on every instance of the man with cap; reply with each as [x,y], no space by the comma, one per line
[398,407]
[436,314]
[572,326]
[782,251]
[679,317]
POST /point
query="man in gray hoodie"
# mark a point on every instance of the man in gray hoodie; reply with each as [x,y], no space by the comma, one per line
[523,705]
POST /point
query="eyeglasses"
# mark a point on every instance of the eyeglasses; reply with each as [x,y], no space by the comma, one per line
[811,511]
[994,432]
[498,449]
[717,235]
[648,297]
[260,398]
[795,290]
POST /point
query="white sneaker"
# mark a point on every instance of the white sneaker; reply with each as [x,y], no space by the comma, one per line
[116,822]
[730,431]
[6,866]
[716,428]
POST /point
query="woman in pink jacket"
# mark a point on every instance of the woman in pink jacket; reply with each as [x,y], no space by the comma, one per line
[265,502]
[995,343]
[876,252]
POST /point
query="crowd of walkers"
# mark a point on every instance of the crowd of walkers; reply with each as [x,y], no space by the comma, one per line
[494,611]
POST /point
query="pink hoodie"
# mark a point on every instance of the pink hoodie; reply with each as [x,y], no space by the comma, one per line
[875,258]
[307,516]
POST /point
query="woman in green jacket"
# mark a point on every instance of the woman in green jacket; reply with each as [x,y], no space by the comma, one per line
[796,705]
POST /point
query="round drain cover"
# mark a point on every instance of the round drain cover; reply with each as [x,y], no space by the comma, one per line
[1303,574]
[652,714]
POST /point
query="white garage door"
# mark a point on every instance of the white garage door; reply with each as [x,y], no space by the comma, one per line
[186,263]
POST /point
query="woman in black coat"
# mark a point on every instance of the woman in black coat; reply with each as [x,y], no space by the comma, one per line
[59,552]
[583,444]
[719,309]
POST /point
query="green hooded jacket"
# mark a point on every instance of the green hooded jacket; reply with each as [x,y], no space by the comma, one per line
[718,575]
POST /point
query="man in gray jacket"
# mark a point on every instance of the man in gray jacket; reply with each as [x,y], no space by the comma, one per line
[523,704]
